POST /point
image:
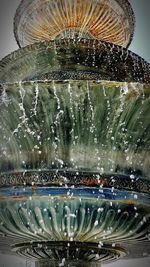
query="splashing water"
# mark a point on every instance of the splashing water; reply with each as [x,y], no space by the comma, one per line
[74,151]
[36,99]
[95,124]
[69,149]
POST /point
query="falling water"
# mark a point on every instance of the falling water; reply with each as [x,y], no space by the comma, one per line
[75,136]
[69,133]
[100,126]
[36,99]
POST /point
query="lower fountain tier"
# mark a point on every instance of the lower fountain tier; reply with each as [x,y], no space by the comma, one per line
[70,254]
[111,223]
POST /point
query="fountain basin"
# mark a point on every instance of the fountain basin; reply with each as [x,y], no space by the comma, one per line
[75,136]
[74,169]
[74,59]
[88,225]
[112,21]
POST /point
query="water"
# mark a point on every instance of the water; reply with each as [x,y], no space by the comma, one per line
[67,151]
[51,214]
[74,152]
[74,59]
[75,125]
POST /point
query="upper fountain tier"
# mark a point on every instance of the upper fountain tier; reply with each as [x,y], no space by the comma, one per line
[38,20]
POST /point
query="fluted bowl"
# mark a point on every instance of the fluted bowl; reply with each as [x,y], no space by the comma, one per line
[111,21]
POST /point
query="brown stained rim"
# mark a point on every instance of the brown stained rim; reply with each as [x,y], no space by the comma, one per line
[124,4]
[40,61]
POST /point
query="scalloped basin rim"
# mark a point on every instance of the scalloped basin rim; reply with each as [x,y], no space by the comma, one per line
[67,59]
[102,82]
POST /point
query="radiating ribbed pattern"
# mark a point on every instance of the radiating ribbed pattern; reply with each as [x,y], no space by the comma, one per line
[70,140]
[106,20]
[74,219]
[76,253]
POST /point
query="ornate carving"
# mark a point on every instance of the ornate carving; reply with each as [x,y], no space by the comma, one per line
[74,178]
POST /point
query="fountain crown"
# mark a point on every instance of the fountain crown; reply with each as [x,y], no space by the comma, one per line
[111,21]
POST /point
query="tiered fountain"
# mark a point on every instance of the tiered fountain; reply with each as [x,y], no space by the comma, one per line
[75,136]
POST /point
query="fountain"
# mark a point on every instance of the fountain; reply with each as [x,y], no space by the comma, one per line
[75,136]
